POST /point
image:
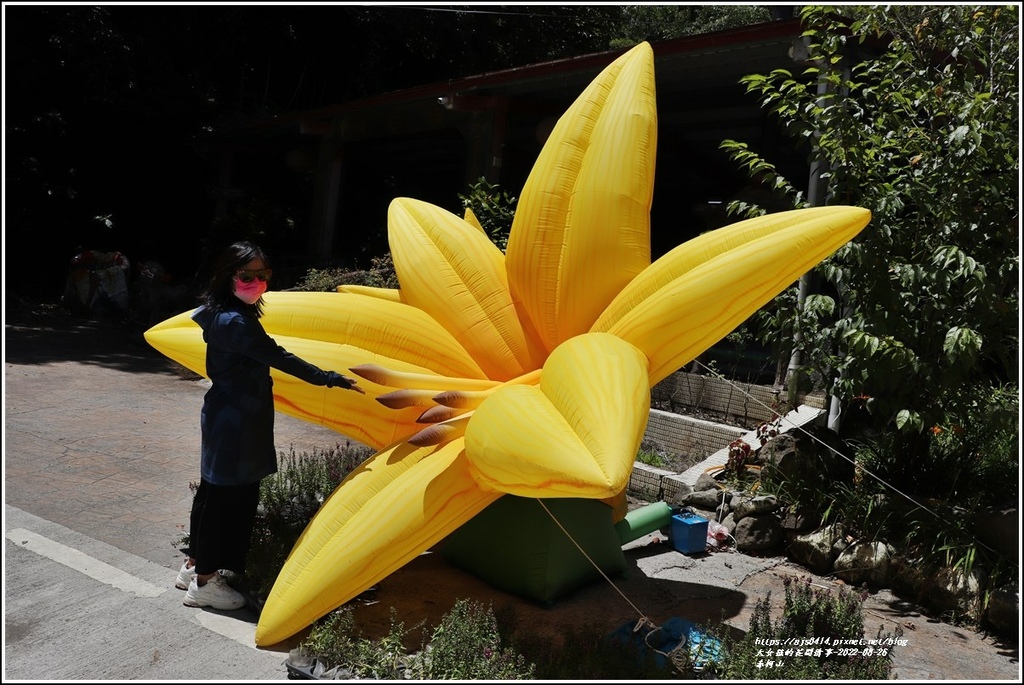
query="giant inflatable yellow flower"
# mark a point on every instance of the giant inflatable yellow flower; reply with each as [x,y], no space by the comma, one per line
[527,373]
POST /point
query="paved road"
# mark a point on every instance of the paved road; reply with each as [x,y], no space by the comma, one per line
[100,445]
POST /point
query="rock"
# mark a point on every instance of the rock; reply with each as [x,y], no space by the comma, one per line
[911,577]
[702,499]
[836,455]
[959,592]
[798,521]
[729,522]
[999,528]
[840,545]
[817,455]
[780,453]
[757,533]
[864,562]
[705,482]
[755,506]
[1003,611]
[704,513]
[673,491]
[817,551]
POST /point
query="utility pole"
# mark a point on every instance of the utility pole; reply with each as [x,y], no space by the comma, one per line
[815,198]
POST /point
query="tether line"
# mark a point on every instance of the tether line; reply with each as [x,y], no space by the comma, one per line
[643,620]
[840,454]
[678,655]
[592,562]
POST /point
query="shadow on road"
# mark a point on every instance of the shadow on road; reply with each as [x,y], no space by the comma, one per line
[49,335]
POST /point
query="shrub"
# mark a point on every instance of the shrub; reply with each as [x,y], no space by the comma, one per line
[494,209]
[381,274]
[466,645]
[918,313]
[335,641]
[820,636]
[288,501]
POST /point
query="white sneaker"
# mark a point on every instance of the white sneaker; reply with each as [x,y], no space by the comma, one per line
[185,576]
[230,576]
[186,573]
[216,593]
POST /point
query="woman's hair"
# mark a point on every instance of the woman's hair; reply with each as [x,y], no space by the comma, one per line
[219,293]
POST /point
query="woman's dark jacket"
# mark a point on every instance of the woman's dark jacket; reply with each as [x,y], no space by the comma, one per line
[238,411]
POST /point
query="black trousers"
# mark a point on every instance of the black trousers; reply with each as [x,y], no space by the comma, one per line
[220,527]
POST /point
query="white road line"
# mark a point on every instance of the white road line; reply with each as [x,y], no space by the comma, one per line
[230,627]
[83,563]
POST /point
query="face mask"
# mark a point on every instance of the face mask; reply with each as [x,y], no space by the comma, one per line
[250,292]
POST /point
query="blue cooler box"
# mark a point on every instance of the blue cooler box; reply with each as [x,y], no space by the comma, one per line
[689,533]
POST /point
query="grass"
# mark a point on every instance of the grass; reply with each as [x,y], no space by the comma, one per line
[651,456]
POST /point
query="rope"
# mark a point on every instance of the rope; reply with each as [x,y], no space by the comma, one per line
[592,562]
[679,655]
[837,453]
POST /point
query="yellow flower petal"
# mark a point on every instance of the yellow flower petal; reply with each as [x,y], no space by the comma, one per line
[392,330]
[180,338]
[396,505]
[455,273]
[697,309]
[336,332]
[391,294]
[582,224]
[471,219]
[700,250]
[576,435]
[355,415]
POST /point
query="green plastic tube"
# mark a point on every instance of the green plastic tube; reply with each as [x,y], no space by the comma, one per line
[644,520]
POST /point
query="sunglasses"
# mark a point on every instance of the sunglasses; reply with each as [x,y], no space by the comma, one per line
[247,275]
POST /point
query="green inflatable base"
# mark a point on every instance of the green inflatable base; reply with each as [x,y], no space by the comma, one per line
[515,546]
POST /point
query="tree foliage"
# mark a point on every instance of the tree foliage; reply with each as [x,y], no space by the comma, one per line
[494,209]
[664,22]
[918,121]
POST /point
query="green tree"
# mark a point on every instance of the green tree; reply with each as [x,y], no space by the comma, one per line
[664,22]
[913,113]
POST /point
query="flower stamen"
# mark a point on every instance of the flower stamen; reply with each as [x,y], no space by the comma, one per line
[441,432]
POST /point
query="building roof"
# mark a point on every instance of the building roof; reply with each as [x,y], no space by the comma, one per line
[704,64]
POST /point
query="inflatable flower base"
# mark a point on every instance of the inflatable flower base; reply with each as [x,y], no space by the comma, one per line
[528,547]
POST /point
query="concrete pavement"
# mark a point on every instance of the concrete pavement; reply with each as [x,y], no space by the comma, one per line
[100,444]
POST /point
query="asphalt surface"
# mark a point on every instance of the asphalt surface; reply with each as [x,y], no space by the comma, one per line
[100,444]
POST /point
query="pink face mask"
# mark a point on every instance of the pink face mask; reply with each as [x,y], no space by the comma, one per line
[250,292]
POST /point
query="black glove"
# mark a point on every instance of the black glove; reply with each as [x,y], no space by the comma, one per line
[336,380]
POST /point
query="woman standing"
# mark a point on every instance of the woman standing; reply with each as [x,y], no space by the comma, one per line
[237,423]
